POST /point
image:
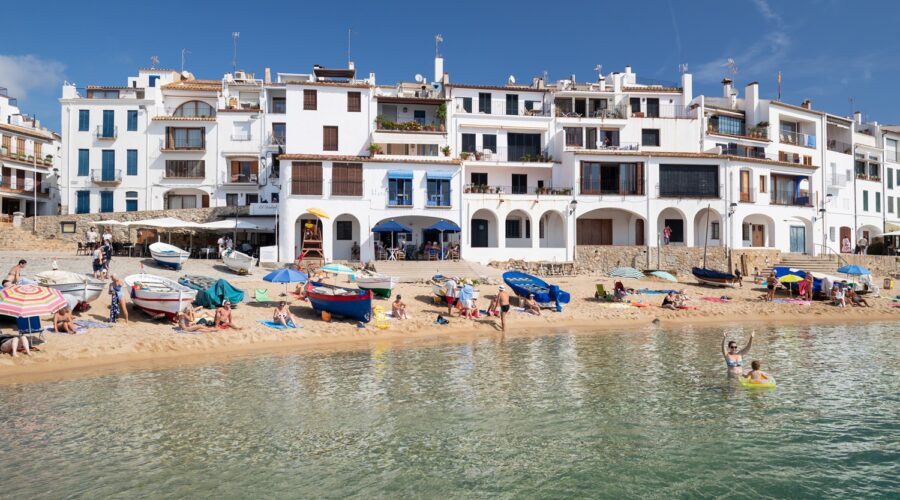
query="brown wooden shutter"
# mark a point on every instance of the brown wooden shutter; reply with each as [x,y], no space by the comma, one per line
[20,145]
[37,150]
[205,201]
[354,102]
[310,100]
[254,167]
[782,156]
[640,177]
[329,138]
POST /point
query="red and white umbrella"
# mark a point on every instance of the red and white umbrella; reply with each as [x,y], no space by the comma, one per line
[23,301]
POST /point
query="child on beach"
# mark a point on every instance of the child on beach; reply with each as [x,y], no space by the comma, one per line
[756,375]
[398,309]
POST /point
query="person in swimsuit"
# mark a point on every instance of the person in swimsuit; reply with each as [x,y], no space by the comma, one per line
[283,316]
[398,309]
[503,300]
[9,344]
[63,321]
[771,281]
[223,316]
[183,318]
[669,301]
[14,275]
[756,375]
[531,305]
[733,357]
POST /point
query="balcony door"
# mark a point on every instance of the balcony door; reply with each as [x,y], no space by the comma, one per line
[745,186]
[390,112]
[798,239]
[109,165]
[479,233]
[108,123]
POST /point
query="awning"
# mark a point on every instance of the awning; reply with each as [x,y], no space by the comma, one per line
[391,227]
[400,174]
[241,224]
[440,174]
[165,223]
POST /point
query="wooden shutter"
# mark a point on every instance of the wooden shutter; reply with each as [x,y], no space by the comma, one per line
[310,100]
[306,178]
[782,156]
[204,202]
[346,179]
[20,145]
[37,150]
[329,138]
[235,169]
[354,102]
[640,177]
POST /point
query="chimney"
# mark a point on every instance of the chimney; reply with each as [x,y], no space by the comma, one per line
[726,87]
[751,104]
[350,65]
[806,104]
[438,68]
[602,83]
[268,78]
[857,117]
[628,69]
[687,88]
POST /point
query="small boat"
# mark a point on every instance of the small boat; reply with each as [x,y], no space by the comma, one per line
[168,255]
[525,284]
[713,277]
[211,292]
[238,262]
[84,289]
[439,289]
[380,284]
[340,301]
[157,295]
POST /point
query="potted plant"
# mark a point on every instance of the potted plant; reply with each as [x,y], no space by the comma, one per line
[464,156]
[446,150]
[30,158]
[48,160]
[477,155]
[441,114]
[21,155]
[374,149]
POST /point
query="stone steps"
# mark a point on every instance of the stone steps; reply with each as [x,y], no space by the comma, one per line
[828,264]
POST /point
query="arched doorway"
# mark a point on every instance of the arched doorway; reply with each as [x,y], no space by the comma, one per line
[758,230]
[307,228]
[674,219]
[610,226]
[846,239]
[708,228]
[483,227]
[552,230]
[517,228]
[179,198]
[346,239]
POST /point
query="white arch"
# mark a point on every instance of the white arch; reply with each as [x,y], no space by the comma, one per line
[758,230]
[552,229]
[518,229]
[342,248]
[619,227]
[680,234]
[184,200]
[713,226]
[484,229]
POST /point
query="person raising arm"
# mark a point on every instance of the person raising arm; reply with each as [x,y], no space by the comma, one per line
[734,357]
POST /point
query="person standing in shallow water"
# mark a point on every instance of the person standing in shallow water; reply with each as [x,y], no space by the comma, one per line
[503,301]
[734,358]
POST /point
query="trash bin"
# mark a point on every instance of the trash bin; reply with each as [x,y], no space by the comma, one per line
[888,284]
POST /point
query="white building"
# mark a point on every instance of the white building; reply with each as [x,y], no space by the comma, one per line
[29,155]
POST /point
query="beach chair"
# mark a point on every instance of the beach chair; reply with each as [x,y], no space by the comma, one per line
[381,320]
[30,324]
[261,295]
[601,292]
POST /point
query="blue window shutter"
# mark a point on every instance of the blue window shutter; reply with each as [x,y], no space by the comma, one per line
[132,162]
[153,79]
[131,205]
[84,164]
[132,120]
[106,201]
[108,165]
[109,123]
[83,202]
[84,120]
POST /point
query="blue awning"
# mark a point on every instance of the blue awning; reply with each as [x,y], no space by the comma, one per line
[440,174]
[400,174]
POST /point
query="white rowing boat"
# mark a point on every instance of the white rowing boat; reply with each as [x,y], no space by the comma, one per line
[84,289]
[156,294]
[238,262]
[380,284]
[168,255]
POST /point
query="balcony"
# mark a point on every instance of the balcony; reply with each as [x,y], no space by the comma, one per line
[609,113]
[506,154]
[400,200]
[516,190]
[26,157]
[754,133]
[383,125]
[498,108]
[621,146]
[242,179]
[25,189]
[185,172]
[666,111]
[797,139]
[104,177]
[241,137]
[745,153]
[106,133]
[840,147]
[438,201]
[791,201]
[347,188]
[868,177]
[276,140]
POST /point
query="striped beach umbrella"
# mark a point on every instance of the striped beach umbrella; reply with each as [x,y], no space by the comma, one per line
[625,272]
[22,301]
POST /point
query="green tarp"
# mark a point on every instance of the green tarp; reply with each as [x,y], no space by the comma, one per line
[211,293]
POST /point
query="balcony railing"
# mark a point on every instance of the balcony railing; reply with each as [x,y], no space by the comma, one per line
[411,126]
[26,157]
[438,201]
[796,139]
[276,140]
[241,137]
[103,176]
[840,147]
[622,146]
[27,187]
[868,177]
[610,113]
[506,154]
[107,133]
[498,107]
[666,111]
[793,201]
[400,200]
[243,178]
[760,133]
[516,190]
[745,153]
[346,188]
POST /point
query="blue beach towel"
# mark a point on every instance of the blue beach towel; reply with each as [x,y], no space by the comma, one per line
[278,326]
[89,323]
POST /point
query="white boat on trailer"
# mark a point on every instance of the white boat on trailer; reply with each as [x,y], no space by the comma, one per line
[158,295]
[168,255]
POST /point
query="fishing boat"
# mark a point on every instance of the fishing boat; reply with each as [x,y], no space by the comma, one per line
[238,262]
[211,292]
[524,285]
[340,301]
[380,284]
[821,282]
[84,289]
[440,289]
[168,255]
[158,295]
[708,276]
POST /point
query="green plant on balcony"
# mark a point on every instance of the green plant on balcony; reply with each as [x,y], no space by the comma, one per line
[464,156]
[48,160]
[21,155]
[441,114]
[374,149]
[4,151]
[31,158]
[541,190]
[762,124]
[477,155]
[446,150]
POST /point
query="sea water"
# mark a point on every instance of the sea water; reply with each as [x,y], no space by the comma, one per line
[642,412]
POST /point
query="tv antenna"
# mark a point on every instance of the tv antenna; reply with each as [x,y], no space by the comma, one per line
[184,53]
[154,60]
[599,69]
[234,38]
[732,67]
[438,39]
[349,32]
[683,68]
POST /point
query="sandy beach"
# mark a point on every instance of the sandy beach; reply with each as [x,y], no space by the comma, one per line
[145,342]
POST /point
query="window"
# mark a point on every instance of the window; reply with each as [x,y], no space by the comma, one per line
[523,147]
[240,131]
[512,104]
[250,198]
[877,202]
[179,201]
[329,138]
[354,102]
[195,109]
[106,201]
[82,202]
[479,179]
[185,138]
[489,142]
[244,171]
[513,228]
[438,193]
[652,107]
[343,230]
[612,178]
[714,230]
[20,145]
[635,105]
[132,120]
[890,204]
[108,165]
[306,178]
[231,199]
[346,179]
[131,160]
[153,79]
[650,137]
[426,149]
[831,233]
[310,100]
[84,120]
[279,105]
[84,164]
[574,136]
[467,104]
[419,116]
[484,102]
[191,169]
[67,227]
[762,183]
[890,178]
[399,192]
[727,125]
[109,124]
[468,143]
[519,183]
[103,94]
[131,203]
[279,133]
[689,181]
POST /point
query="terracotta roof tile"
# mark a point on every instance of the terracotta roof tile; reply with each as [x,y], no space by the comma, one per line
[203,85]
[32,132]
[365,159]
[678,154]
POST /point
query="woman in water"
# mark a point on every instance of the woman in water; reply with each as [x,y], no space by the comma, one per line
[734,357]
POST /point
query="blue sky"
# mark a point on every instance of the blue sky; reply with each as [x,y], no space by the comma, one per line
[827,50]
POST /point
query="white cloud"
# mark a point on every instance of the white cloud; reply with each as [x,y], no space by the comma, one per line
[28,73]
[766,10]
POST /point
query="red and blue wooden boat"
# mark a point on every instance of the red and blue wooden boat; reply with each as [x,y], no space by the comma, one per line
[339,301]
[525,284]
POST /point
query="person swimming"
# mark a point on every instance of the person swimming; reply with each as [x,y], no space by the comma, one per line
[755,375]
[733,357]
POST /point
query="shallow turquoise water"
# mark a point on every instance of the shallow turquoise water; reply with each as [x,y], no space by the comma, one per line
[643,413]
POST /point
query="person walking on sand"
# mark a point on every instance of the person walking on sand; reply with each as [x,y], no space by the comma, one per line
[734,358]
[14,275]
[450,295]
[503,300]
[117,299]
[90,238]
[667,235]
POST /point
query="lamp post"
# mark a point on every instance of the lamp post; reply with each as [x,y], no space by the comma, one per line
[573,205]
[34,189]
[731,209]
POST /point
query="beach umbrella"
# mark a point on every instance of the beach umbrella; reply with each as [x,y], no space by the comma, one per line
[625,272]
[337,269]
[790,278]
[663,275]
[444,226]
[23,301]
[854,270]
[286,275]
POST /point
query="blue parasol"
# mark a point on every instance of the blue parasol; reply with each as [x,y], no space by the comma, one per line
[854,270]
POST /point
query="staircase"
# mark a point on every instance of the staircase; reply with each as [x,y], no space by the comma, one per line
[827,264]
[16,239]
[408,271]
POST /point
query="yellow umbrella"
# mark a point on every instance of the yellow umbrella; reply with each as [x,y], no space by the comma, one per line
[790,278]
[318,212]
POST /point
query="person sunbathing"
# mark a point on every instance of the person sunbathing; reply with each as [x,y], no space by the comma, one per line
[223,317]
[856,299]
[187,325]
[756,375]
[669,301]
[398,309]
[531,305]
[63,321]
[837,294]
[300,291]
[282,315]
[9,344]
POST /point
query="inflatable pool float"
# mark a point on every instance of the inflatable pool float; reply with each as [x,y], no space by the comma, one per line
[769,384]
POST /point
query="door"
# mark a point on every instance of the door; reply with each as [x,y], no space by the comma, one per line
[594,232]
[758,235]
[519,183]
[639,232]
[845,235]
[745,186]
[677,227]
[798,239]
[479,233]
[390,112]
[108,172]
[108,123]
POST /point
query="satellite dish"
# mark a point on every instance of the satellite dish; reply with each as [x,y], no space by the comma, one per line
[420,78]
[511,80]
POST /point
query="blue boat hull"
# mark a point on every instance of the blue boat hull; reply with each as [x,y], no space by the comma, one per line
[525,284]
[357,305]
[783,271]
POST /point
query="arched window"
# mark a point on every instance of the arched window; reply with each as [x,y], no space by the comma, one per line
[195,109]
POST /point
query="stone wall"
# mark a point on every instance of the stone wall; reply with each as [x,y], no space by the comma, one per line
[879,265]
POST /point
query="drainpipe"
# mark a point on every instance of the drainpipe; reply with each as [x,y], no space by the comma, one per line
[824,145]
[855,208]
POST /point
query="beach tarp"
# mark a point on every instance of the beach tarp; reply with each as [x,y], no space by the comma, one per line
[212,297]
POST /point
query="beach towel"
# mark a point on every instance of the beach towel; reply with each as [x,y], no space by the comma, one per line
[78,330]
[89,323]
[639,304]
[717,300]
[793,301]
[278,326]
[615,305]
[655,292]
[687,308]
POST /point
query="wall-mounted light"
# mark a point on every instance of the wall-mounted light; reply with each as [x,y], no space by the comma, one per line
[572,206]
